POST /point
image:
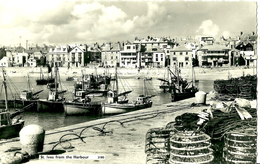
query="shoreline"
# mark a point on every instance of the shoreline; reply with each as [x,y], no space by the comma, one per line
[200,73]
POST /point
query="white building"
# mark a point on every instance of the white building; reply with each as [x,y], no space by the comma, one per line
[4,62]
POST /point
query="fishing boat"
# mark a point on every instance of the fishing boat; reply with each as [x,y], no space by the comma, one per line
[182,89]
[54,102]
[91,85]
[27,97]
[114,96]
[167,82]
[81,105]
[113,107]
[42,80]
[9,126]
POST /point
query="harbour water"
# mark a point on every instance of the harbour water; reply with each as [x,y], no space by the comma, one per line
[55,120]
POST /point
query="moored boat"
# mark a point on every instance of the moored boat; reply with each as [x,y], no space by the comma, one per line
[54,101]
[9,127]
[113,107]
[81,105]
[44,81]
[181,89]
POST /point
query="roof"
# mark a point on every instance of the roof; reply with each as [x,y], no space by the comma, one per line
[214,47]
[152,50]
[180,48]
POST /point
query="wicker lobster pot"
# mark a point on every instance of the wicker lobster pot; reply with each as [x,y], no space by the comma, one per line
[187,147]
[156,145]
[220,86]
[240,146]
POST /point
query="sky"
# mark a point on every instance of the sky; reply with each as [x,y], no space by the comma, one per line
[62,22]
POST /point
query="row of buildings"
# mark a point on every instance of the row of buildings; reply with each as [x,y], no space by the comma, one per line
[148,52]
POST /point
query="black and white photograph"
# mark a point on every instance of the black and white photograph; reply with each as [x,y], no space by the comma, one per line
[128,82]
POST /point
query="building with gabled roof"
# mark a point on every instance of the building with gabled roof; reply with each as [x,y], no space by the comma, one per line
[181,56]
[94,53]
[77,56]
[213,55]
[110,54]
[58,56]
[129,56]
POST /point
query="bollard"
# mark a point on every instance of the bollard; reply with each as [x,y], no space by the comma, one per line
[32,139]
[201,97]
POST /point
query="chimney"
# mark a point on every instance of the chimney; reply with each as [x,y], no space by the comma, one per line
[26,44]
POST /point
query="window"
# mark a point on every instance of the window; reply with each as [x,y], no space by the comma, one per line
[186,58]
[180,53]
[128,47]
[167,51]
[161,59]
[174,58]
[156,55]
[186,53]
[111,57]
[173,53]
[133,47]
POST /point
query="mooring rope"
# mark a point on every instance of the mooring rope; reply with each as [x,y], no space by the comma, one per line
[142,116]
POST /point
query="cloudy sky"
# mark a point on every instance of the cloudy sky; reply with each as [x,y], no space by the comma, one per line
[67,21]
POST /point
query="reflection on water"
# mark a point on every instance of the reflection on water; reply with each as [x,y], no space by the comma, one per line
[54,120]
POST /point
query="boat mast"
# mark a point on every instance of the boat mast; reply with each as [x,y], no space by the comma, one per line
[116,82]
[40,73]
[192,76]
[56,69]
[29,87]
[144,88]
[6,101]
[5,89]
[82,81]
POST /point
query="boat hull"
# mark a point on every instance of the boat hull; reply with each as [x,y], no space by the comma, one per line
[11,104]
[45,81]
[122,108]
[11,131]
[71,108]
[49,106]
[182,96]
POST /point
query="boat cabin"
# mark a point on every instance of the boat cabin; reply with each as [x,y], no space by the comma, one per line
[112,97]
[26,95]
[53,96]
[142,99]
[81,96]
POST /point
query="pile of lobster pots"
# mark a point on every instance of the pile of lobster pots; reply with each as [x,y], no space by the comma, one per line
[156,145]
[242,87]
[240,146]
[170,146]
[190,147]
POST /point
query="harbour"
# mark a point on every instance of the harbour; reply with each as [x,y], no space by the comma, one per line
[56,120]
[69,135]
